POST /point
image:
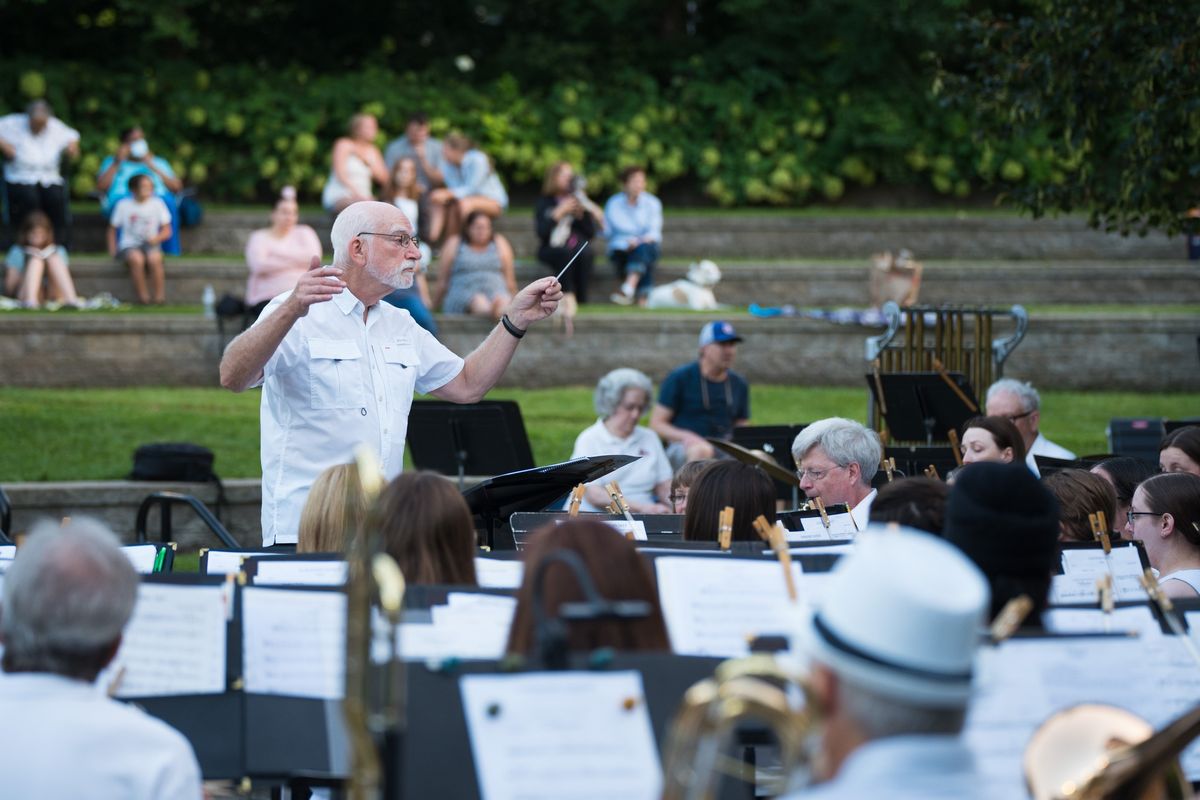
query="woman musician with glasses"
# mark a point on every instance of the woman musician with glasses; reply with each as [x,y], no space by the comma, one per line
[1165,517]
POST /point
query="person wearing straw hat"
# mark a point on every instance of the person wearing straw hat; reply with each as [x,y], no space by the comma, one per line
[891,647]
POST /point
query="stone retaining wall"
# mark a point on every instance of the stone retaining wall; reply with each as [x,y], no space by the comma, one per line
[1137,353]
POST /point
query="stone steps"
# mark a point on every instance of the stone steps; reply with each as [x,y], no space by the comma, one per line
[1129,351]
[815,282]
[967,235]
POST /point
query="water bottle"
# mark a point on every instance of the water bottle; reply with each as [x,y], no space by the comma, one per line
[209,299]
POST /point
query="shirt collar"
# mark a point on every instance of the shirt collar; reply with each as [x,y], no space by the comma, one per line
[26,683]
[346,301]
[931,754]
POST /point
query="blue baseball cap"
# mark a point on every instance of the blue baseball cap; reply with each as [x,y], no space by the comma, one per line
[717,333]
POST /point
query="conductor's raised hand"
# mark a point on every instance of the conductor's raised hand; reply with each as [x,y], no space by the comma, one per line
[535,302]
[318,285]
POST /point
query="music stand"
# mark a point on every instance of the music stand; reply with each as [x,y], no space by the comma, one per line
[496,499]
[921,406]
[485,438]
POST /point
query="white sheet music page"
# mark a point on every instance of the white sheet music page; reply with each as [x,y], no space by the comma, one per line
[175,643]
[1024,681]
[1081,569]
[142,556]
[294,642]
[1130,619]
[229,562]
[301,572]
[715,607]
[8,551]
[841,526]
[470,625]
[561,736]
[496,573]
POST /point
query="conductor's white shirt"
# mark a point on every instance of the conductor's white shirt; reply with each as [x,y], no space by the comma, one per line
[64,739]
[336,381]
[638,479]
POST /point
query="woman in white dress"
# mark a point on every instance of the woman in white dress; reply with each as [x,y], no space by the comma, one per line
[355,163]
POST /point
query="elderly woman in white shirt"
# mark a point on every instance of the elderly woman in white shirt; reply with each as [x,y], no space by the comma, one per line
[621,399]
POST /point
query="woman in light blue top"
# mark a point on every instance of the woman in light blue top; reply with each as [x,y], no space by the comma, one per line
[471,185]
[633,225]
[134,157]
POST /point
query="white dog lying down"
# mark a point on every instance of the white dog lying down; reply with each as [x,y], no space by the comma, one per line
[694,292]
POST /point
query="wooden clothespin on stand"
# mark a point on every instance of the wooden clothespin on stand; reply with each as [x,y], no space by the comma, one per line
[955,447]
[1104,590]
[1167,609]
[889,466]
[576,499]
[931,472]
[618,503]
[725,528]
[776,538]
[820,504]
[1009,620]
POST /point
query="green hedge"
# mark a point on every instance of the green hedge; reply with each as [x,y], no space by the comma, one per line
[240,132]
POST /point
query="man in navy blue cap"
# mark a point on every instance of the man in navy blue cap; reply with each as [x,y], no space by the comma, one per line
[702,399]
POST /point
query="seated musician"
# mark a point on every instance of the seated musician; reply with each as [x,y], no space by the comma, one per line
[622,397]
[1020,403]
[1165,516]
[336,507]
[1180,451]
[836,459]
[1124,474]
[1007,523]
[748,490]
[917,502]
[1080,494]
[891,645]
[426,525]
[991,439]
[618,573]
[67,598]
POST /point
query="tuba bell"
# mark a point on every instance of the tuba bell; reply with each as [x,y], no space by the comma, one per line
[755,688]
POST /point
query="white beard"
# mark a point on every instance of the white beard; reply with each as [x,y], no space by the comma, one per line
[397,278]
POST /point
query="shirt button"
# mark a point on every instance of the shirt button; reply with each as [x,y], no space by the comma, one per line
[362,411]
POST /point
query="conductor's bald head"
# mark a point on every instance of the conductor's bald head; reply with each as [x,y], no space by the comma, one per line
[66,599]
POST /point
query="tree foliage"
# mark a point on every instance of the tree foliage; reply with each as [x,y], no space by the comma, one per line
[1107,95]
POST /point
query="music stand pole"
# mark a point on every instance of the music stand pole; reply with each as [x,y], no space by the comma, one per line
[460,453]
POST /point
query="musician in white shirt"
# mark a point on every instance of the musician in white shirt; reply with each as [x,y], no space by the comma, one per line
[836,460]
[33,145]
[1020,403]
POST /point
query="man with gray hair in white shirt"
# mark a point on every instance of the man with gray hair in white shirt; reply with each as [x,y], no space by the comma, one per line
[1019,403]
[66,600]
[836,460]
[32,145]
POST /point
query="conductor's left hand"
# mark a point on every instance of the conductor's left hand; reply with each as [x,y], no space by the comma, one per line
[535,302]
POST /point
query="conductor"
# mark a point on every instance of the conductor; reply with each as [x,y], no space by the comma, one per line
[338,367]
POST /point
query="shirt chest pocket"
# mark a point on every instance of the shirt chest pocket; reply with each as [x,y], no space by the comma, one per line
[401,363]
[335,373]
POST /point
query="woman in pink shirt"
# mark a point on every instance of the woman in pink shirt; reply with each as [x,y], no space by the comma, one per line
[277,256]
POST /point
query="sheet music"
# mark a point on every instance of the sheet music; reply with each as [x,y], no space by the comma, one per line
[841,526]
[1024,681]
[496,573]
[1081,569]
[303,572]
[714,607]
[229,562]
[175,643]
[621,526]
[142,556]
[8,551]
[1132,619]
[561,736]
[294,642]
[831,550]
[469,626]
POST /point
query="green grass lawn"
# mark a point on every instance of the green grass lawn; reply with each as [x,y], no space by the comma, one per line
[90,434]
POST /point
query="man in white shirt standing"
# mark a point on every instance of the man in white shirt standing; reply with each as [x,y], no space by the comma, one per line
[1019,403]
[66,600]
[339,368]
[836,460]
[32,145]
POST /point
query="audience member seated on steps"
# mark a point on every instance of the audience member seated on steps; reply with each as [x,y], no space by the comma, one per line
[426,526]
[564,219]
[475,273]
[616,570]
[917,502]
[355,163]
[748,490]
[633,226]
[1020,403]
[277,256]
[621,398]
[1165,517]
[1124,474]
[681,484]
[66,600]
[144,223]
[991,439]
[837,458]
[33,260]
[1079,494]
[334,512]
[1007,523]
[406,196]
[472,185]
[417,144]
[133,157]
[1180,451]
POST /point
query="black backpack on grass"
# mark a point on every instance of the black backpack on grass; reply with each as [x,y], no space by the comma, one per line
[177,462]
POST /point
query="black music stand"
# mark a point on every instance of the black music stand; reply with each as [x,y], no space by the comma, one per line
[485,438]
[913,460]
[775,441]
[921,406]
[496,499]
